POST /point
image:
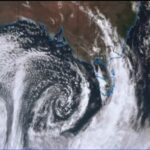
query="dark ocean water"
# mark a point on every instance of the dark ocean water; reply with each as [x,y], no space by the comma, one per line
[139,42]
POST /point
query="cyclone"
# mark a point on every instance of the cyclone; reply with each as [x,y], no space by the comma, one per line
[48,93]
[50,98]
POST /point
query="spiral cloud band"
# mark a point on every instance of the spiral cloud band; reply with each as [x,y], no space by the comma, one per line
[44,87]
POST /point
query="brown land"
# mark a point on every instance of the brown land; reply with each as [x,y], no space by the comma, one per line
[78,30]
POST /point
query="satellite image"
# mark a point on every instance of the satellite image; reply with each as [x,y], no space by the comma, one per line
[74,74]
